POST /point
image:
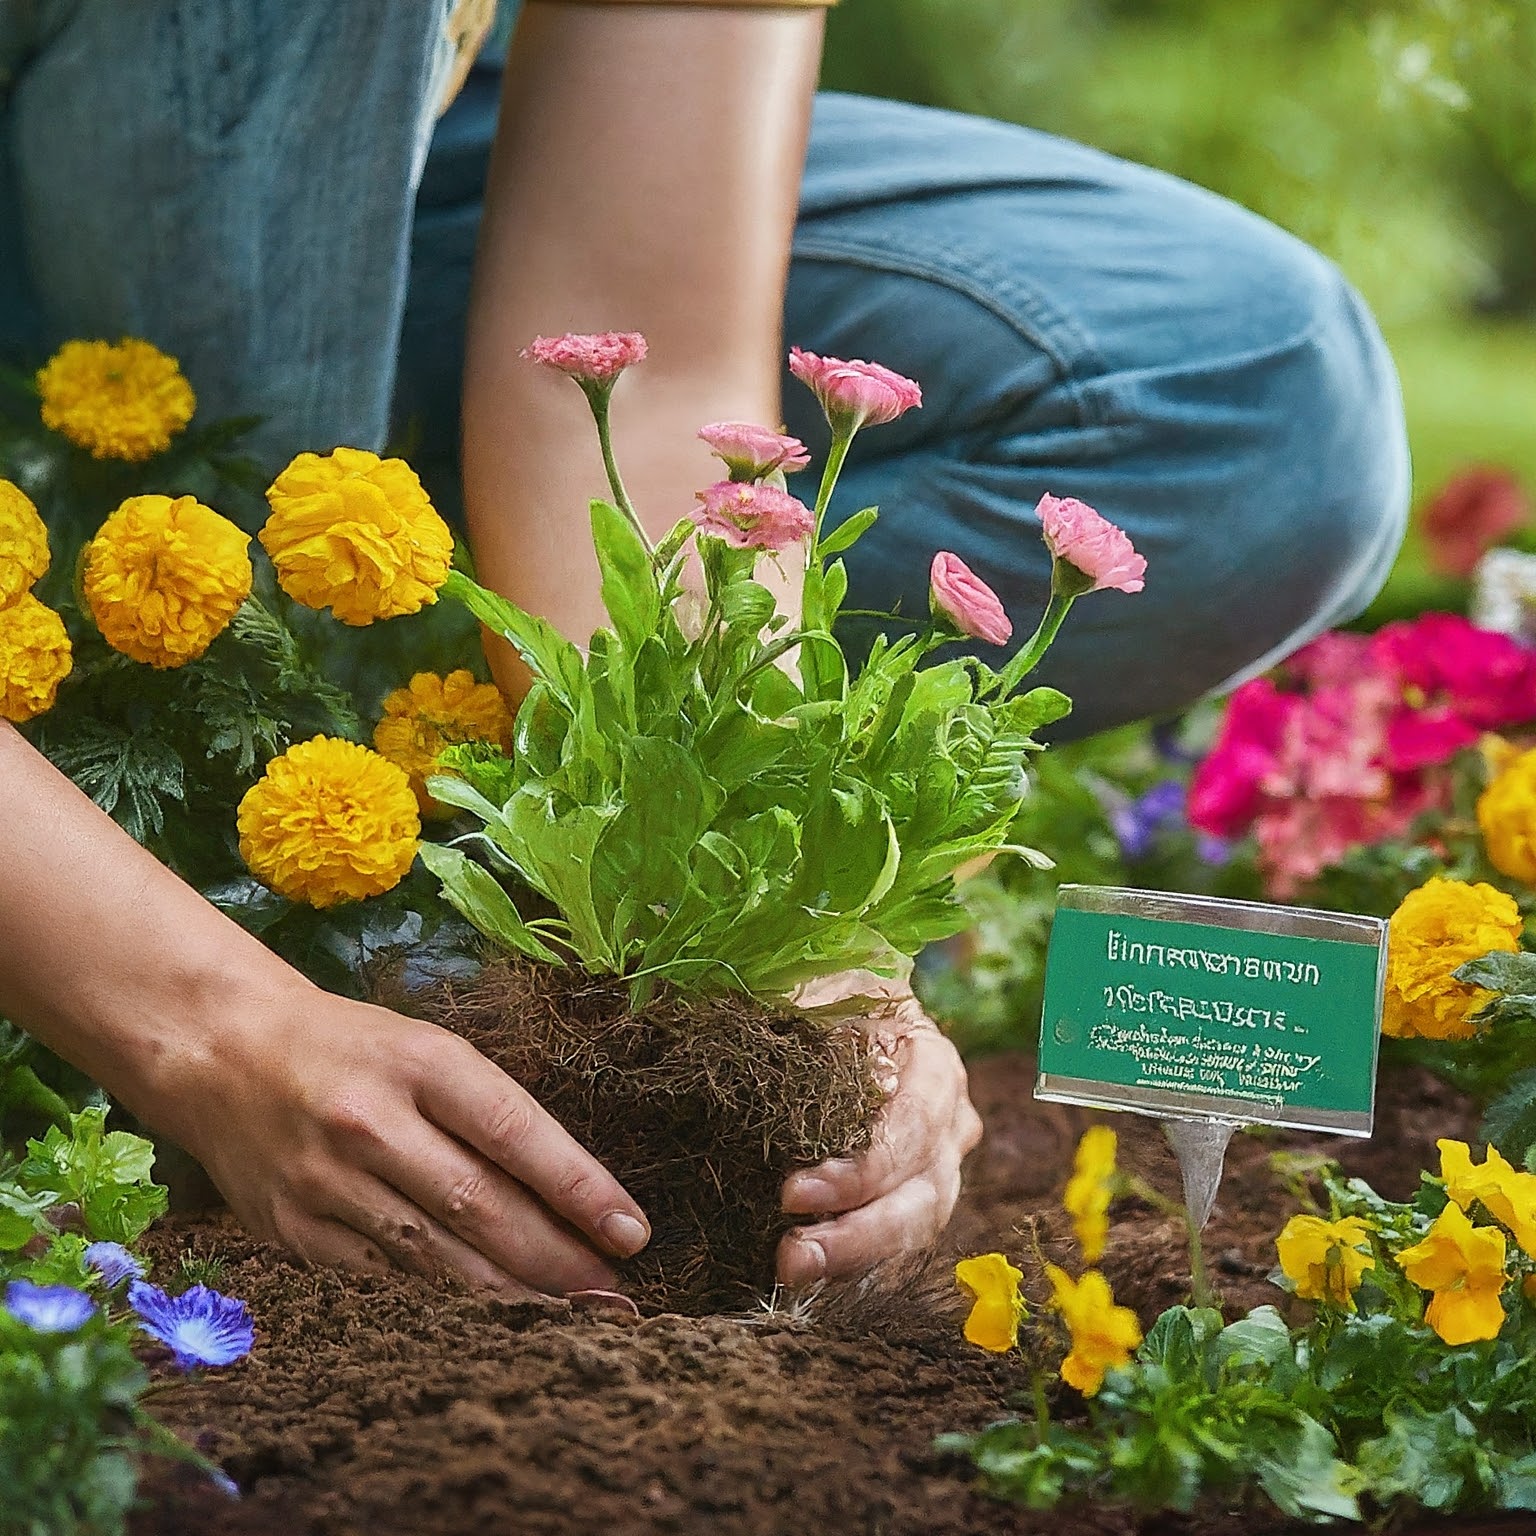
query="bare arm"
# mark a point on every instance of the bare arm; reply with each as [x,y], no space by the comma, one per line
[341,1129]
[645,177]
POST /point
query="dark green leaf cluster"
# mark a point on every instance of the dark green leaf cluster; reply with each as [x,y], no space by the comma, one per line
[700,808]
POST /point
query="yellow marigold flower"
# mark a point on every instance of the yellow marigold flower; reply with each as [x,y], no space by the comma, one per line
[23,543]
[120,402]
[356,534]
[163,578]
[35,657]
[1103,1334]
[1088,1191]
[1325,1259]
[1507,1193]
[1437,928]
[329,822]
[435,712]
[1506,812]
[997,1306]
[1463,1266]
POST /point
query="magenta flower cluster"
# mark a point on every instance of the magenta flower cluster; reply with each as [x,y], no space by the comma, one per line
[1351,741]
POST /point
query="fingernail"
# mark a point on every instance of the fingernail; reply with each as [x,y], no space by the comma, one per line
[805,1261]
[623,1234]
[809,1193]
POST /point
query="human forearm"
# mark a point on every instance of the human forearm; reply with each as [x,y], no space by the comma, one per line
[645,178]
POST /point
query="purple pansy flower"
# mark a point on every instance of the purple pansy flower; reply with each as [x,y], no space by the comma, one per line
[200,1326]
[1137,822]
[48,1308]
[113,1263]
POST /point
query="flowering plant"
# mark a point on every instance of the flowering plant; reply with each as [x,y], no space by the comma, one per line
[710,793]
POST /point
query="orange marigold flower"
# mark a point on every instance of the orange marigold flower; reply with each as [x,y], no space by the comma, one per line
[1506,813]
[118,402]
[432,713]
[35,657]
[23,543]
[328,822]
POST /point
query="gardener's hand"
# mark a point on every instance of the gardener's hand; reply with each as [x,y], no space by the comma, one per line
[897,1196]
[353,1135]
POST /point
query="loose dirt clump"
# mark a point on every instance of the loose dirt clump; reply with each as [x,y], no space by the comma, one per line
[699,1106]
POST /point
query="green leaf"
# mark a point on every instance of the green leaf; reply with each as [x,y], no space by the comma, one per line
[551,656]
[847,533]
[106,1173]
[1500,972]
[479,896]
[629,589]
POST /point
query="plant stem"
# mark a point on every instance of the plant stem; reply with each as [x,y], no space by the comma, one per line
[598,397]
[1042,1409]
[1028,656]
[841,439]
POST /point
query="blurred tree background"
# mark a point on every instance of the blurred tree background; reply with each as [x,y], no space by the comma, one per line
[1398,136]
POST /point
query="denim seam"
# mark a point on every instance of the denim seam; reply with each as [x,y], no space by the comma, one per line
[992,289]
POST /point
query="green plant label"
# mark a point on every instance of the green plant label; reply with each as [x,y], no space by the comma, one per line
[1186,1007]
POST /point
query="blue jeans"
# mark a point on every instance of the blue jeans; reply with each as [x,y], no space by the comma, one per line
[237,180]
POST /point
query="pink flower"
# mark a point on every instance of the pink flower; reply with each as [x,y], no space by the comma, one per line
[1471,513]
[754,516]
[854,394]
[958,594]
[1225,794]
[1485,678]
[751,452]
[598,359]
[1098,551]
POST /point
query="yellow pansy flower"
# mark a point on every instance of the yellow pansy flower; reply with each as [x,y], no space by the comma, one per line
[1507,1193]
[1103,1334]
[997,1307]
[1325,1259]
[1088,1191]
[1463,1266]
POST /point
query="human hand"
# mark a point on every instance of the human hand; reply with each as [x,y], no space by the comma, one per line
[896,1196]
[353,1135]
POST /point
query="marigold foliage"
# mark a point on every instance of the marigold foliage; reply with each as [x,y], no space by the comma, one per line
[1506,813]
[997,1306]
[1325,1259]
[124,401]
[1103,1334]
[329,822]
[1087,1196]
[357,534]
[163,578]
[23,543]
[1463,1267]
[35,657]
[432,713]
[1437,928]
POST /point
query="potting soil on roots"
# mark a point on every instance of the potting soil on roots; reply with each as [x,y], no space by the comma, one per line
[390,1406]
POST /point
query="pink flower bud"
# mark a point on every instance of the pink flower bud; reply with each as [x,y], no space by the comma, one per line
[1098,552]
[751,452]
[957,593]
[854,394]
[596,359]
[754,516]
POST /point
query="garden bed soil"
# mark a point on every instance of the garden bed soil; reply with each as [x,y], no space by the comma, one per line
[387,1406]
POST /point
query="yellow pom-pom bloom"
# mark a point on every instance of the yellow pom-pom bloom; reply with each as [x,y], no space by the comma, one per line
[435,712]
[1506,812]
[1103,1334]
[23,543]
[119,402]
[328,822]
[1088,1191]
[997,1307]
[356,534]
[1463,1266]
[163,578]
[1507,1193]
[1325,1259]
[1438,927]
[35,657]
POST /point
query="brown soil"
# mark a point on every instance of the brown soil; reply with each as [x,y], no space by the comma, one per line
[700,1107]
[379,1406]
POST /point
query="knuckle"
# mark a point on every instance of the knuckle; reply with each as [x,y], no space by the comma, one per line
[510,1123]
[579,1189]
[467,1197]
[352,1119]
